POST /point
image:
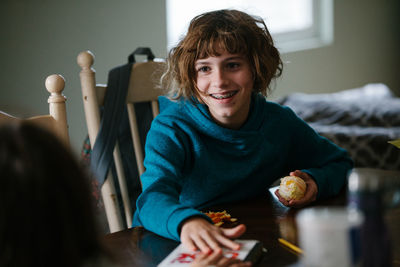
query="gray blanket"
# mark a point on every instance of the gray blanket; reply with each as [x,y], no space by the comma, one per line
[361,120]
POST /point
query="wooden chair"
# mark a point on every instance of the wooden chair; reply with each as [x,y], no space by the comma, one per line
[142,88]
[56,120]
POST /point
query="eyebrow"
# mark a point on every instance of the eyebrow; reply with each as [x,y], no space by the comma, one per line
[205,62]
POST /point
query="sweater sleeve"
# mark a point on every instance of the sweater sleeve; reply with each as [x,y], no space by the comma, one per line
[158,207]
[326,162]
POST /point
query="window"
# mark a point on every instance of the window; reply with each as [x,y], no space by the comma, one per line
[294,24]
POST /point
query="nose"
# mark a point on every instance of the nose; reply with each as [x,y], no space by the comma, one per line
[219,78]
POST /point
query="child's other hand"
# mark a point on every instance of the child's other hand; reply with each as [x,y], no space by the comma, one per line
[198,233]
[216,259]
[309,196]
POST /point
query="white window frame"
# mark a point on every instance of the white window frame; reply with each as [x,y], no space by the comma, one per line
[318,35]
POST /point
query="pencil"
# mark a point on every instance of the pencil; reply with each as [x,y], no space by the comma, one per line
[290,245]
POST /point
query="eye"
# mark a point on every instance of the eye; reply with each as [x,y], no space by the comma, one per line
[233,65]
[203,69]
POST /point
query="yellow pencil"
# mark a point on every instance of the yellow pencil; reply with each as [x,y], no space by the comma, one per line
[290,245]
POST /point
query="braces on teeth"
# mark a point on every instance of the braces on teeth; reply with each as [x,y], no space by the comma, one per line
[224,96]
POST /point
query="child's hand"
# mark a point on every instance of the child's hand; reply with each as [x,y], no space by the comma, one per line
[218,260]
[198,233]
[309,196]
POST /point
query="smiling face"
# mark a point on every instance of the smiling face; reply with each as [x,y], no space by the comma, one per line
[225,83]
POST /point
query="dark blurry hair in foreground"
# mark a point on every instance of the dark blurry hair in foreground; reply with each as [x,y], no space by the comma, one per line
[46,217]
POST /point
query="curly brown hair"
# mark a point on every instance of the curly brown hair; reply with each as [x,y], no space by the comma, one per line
[228,30]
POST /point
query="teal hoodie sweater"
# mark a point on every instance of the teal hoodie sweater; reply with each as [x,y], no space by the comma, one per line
[192,163]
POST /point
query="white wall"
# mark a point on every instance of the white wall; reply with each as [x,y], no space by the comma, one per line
[44,37]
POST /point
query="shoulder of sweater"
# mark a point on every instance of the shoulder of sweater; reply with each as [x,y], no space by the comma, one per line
[167,104]
[276,108]
[170,107]
[172,113]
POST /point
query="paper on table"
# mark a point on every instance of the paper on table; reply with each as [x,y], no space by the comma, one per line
[180,256]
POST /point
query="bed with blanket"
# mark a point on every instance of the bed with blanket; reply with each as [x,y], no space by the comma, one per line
[361,120]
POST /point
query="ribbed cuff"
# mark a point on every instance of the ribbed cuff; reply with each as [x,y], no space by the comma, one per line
[180,215]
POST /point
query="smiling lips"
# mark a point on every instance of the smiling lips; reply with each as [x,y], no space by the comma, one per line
[224,96]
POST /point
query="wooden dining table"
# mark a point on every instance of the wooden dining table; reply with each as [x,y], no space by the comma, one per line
[266,220]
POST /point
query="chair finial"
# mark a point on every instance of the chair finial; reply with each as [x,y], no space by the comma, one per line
[85,59]
[55,84]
